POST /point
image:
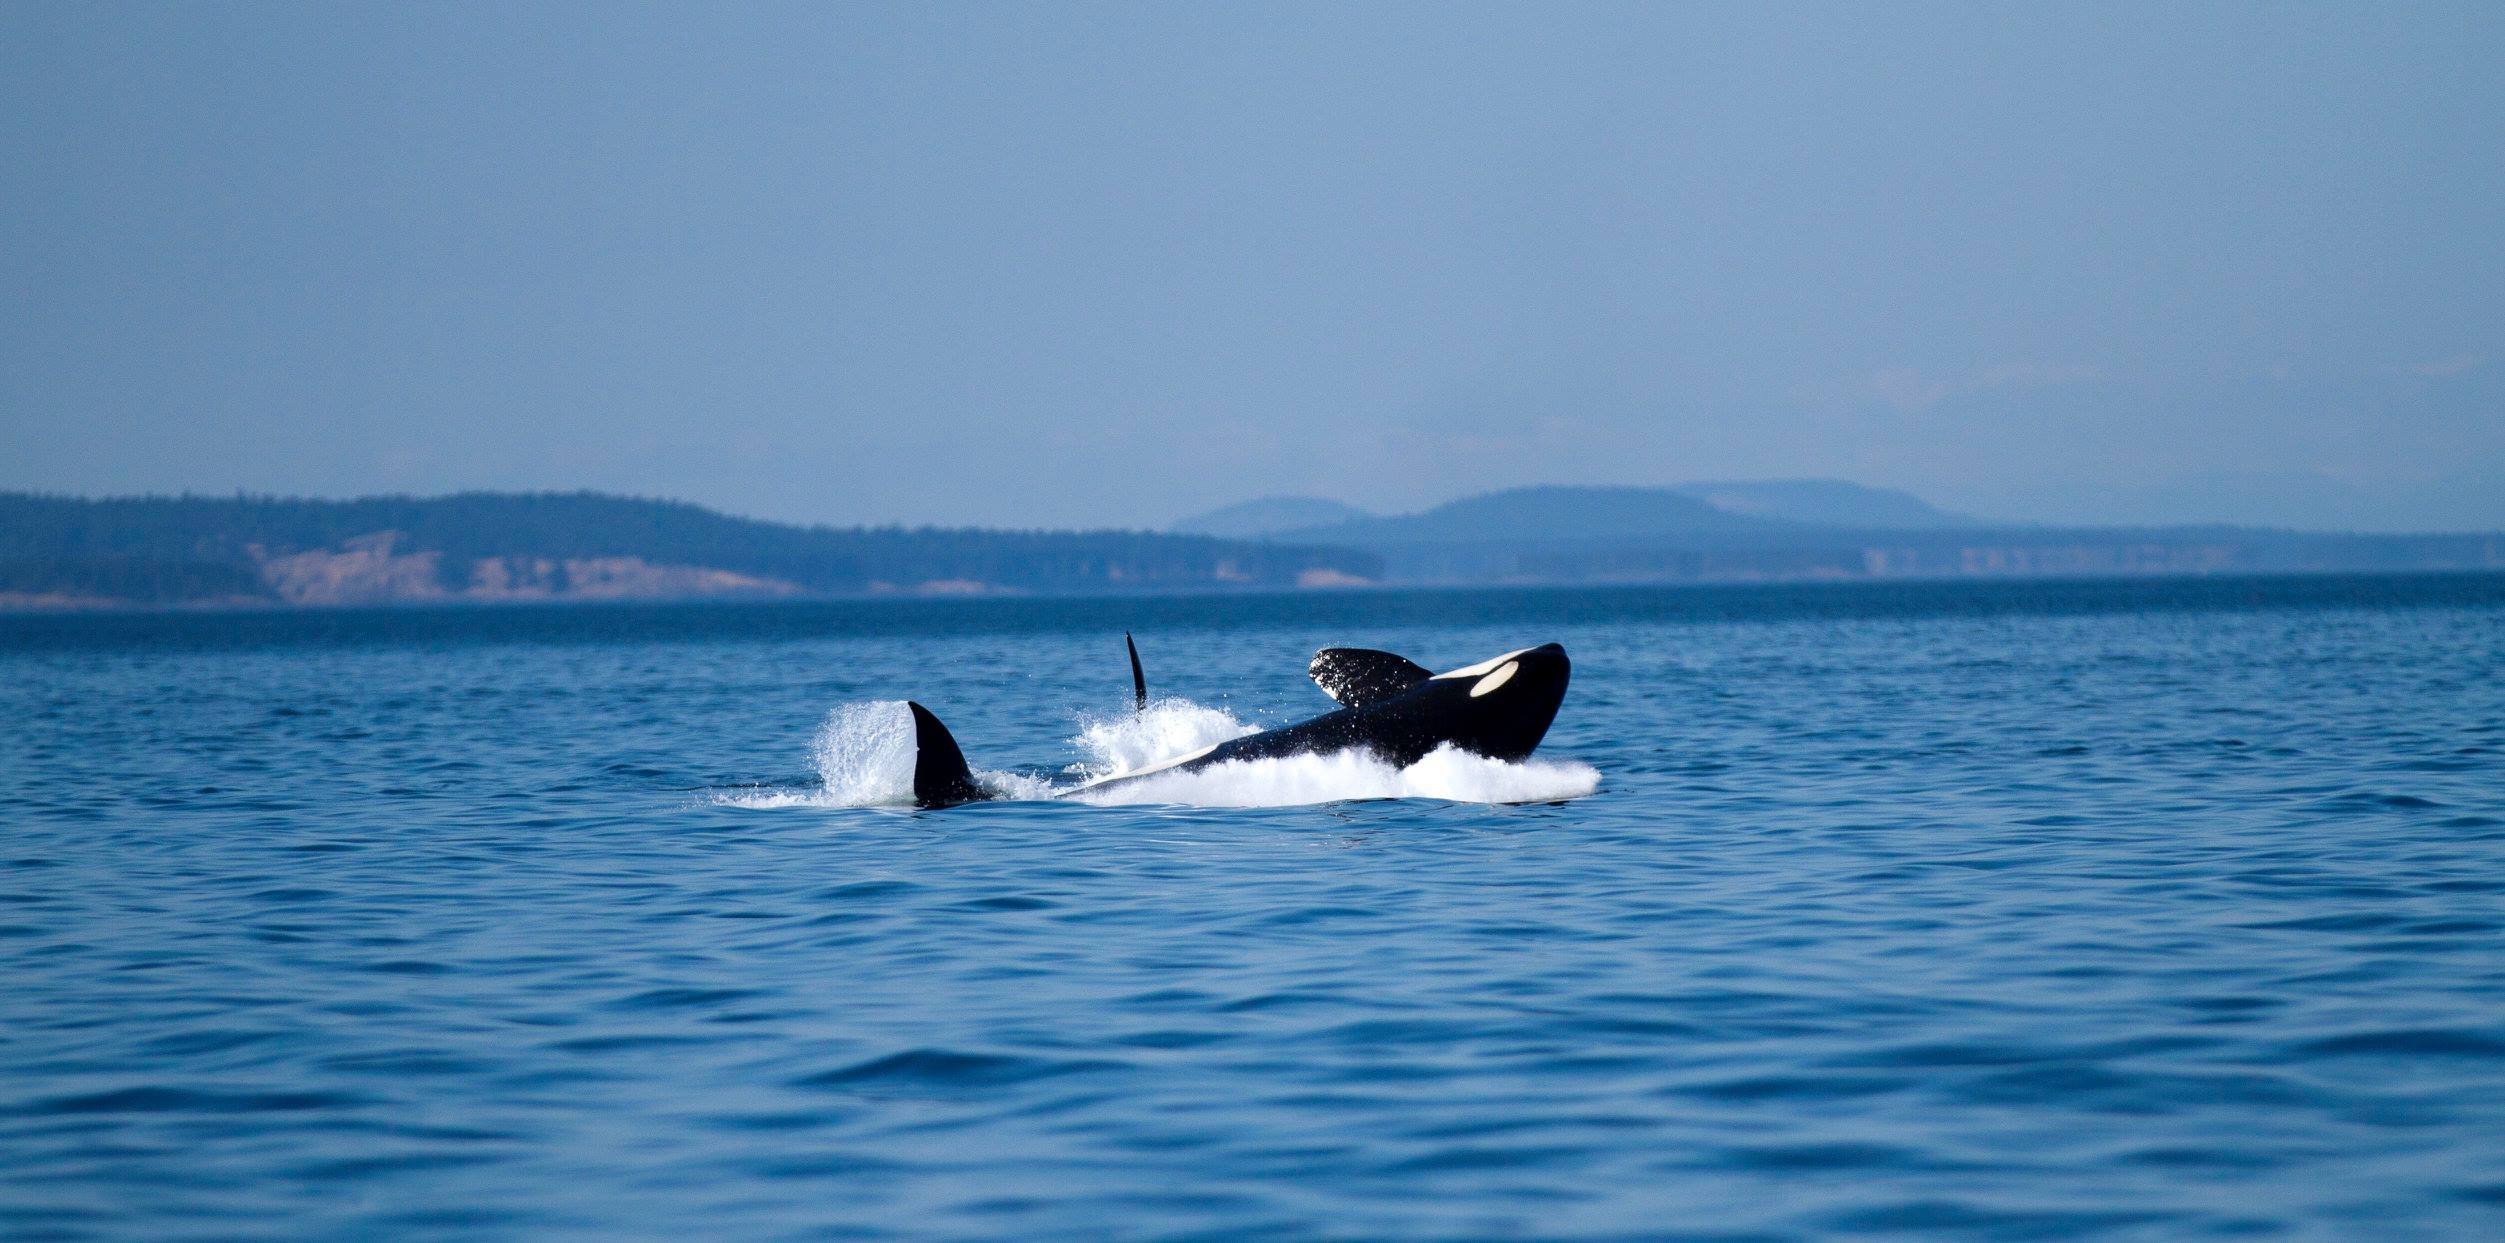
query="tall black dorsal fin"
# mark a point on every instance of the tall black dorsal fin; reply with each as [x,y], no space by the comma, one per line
[1139,678]
[1357,676]
[940,777]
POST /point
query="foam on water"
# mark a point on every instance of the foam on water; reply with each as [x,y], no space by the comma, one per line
[1455,776]
[864,755]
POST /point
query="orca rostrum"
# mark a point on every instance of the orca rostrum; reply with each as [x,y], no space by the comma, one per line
[1390,707]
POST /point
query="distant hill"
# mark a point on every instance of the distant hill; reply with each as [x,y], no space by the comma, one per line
[1545,514]
[1620,513]
[1267,516]
[1826,529]
[1585,512]
[485,547]
[1829,502]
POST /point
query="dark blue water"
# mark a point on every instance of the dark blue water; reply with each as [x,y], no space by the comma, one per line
[2119,911]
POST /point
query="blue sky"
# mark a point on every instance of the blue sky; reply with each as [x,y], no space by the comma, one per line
[1086,265]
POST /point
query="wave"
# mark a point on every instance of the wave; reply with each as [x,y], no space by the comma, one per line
[864,757]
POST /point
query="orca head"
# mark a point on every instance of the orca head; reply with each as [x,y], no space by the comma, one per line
[1502,707]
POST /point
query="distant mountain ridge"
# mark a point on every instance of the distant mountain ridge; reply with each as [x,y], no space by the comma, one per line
[1541,514]
[1832,502]
[493,547]
[1267,516]
[1588,511]
[1826,529]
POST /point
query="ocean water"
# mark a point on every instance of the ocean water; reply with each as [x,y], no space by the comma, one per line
[2144,910]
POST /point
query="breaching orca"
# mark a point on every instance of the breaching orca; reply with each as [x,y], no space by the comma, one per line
[1391,707]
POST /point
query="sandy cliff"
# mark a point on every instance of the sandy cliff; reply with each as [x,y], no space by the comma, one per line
[369,570]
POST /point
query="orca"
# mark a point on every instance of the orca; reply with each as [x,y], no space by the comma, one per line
[1389,706]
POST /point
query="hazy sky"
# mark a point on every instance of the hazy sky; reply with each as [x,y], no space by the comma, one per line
[1055,265]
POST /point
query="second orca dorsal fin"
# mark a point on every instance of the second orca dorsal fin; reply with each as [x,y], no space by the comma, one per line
[940,775]
[1357,676]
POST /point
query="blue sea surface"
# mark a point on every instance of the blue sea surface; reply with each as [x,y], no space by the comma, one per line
[2127,910]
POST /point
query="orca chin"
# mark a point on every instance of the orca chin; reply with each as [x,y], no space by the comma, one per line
[1391,708]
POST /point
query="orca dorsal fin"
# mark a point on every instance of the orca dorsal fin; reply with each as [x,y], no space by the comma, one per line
[1139,677]
[1357,676]
[940,775]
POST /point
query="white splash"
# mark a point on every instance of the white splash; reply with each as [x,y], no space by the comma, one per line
[864,755]
[1296,780]
[1130,741]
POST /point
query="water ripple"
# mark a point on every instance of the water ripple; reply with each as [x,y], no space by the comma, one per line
[2123,913]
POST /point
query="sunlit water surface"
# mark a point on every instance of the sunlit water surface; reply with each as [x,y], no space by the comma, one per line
[2125,911]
